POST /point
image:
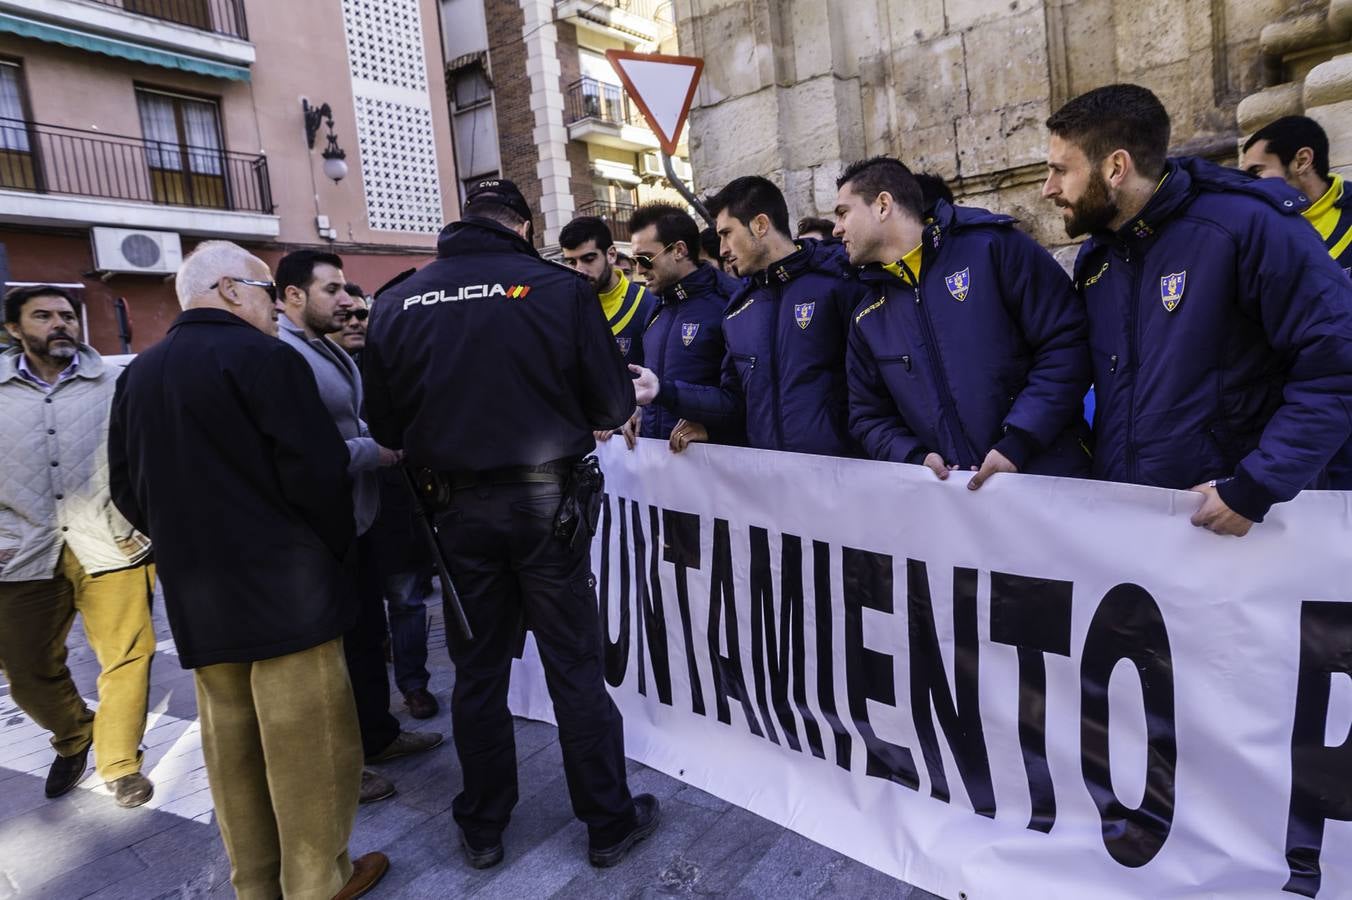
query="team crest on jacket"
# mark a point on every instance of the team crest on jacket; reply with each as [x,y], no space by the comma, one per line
[959,283]
[624,345]
[688,332]
[1171,289]
[802,313]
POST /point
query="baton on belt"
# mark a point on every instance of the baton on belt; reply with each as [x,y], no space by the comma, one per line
[429,533]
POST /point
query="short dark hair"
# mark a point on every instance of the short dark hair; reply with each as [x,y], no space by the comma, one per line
[490,209]
[673,224]
[812,223]
[1288,134]
[17,297]
[870,177]
[1117,117]
[709,243]
[353,289]
[297,268]
[933,189]
[750,196]
[583,229]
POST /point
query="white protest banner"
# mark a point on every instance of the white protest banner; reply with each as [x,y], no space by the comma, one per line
[1047,688]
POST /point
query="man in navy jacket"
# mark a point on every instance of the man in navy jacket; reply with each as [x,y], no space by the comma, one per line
[1219,327]
[972,351]
[683,340]
[784,374]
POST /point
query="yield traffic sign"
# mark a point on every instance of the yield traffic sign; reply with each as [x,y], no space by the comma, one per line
[662,86]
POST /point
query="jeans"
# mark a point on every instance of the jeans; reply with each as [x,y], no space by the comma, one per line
[406,595]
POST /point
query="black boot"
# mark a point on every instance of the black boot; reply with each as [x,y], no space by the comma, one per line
[66,772]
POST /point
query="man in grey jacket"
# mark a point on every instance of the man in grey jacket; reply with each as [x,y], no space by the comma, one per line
[311,286]
[64,548]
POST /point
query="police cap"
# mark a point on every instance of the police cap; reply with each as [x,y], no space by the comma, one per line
[501,191]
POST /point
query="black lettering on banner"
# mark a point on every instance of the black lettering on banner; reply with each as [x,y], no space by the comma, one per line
[959,709]
[616,653]
[728,680]
[1128,624]
[1321,776]
[681,547]
[868,673]
[779,655]
[826,679]
[652,623]
[1033,614]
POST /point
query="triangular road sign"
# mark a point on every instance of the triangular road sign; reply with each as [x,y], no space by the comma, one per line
[662,86]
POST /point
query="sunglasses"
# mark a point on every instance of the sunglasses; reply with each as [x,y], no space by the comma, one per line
[359,314]
[269,286]
[646,261]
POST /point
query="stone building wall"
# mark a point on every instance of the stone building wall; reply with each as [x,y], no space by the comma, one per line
[793,89]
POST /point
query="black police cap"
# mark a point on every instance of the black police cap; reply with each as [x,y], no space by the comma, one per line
[500,191]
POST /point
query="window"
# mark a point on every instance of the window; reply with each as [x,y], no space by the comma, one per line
[17,169]
[183,150]
[473,126]
[194,13]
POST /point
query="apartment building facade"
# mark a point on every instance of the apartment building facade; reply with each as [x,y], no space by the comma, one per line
[131,130]
[534,99]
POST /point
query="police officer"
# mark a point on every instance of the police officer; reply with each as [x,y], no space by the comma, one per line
[1220,329]
[783,377]
[684,338]
[964,285]
[492,368]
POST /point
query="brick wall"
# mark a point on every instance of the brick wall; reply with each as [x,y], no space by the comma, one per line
[578,158]
[511,97]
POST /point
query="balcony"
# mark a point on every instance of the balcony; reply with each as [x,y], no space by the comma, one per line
[631,21]
[615,215]
[52,175]
[209,37]
[601,113]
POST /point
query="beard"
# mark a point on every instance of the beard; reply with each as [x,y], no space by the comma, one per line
[1093,211]
[42,347]
[321,324]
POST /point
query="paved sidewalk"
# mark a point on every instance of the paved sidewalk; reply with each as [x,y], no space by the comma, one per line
[83,845]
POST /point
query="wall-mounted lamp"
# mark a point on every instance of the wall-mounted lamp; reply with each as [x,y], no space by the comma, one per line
[335,166]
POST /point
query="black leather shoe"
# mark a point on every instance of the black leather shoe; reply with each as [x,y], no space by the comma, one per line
[65,773]
[421,704]
[485,858]
[647,813]
[131,790]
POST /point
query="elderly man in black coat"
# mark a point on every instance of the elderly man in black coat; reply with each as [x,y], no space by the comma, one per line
[221,450]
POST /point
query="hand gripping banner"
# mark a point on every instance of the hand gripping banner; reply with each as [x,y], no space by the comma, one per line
[1045,688]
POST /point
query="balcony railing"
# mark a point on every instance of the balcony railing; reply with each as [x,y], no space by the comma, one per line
[592,99]
[50,159]
[615,215]
[647,9]
[218,16]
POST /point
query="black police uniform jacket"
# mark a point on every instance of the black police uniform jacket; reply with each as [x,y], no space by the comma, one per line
[220,449]
[988,350]
[490,357]
[684,340]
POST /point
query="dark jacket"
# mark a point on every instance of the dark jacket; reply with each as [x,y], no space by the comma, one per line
[1221,335]
[491,357]
[684,339]
[784,373]
[221,450]
[989,350]
[630,320]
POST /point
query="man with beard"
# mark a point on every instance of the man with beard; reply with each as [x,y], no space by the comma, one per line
[1219,327]
[684,340]
[589,248]
[315,302]
[64,549]
[783,377]
[959,285]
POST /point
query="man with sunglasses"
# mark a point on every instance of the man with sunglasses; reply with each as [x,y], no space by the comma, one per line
[352,337]
[684,339]
[315,303]
[220,448]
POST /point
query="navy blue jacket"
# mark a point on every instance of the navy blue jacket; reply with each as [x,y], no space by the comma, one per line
[684,339]
[1221,335]
[635,311]
[989,350]
[784,372]
[490,357]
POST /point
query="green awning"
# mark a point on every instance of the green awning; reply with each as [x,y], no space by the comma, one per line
[109,46]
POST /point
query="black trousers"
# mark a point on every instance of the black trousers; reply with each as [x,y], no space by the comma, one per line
[364,647]
[507,564]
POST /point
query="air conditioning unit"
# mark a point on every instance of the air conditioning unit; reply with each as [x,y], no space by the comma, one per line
[134,250]
[650,166]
